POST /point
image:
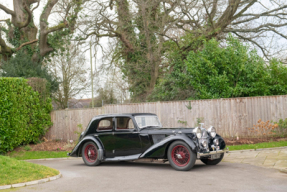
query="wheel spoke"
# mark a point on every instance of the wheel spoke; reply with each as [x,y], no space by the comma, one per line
[91,153]
[180,155]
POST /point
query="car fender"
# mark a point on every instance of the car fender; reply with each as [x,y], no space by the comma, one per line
[161,147]
[222,144]
[77,149]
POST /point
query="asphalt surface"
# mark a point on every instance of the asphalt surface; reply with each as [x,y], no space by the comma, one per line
[134,176]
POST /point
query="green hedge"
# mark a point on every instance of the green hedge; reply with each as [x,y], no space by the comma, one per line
[24,117]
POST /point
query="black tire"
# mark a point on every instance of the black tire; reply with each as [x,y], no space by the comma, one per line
[180,156]
[90,154]
[212,162]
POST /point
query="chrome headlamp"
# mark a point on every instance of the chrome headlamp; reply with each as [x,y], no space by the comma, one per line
[198,132]
[204,143]
[216,142]
[211,130]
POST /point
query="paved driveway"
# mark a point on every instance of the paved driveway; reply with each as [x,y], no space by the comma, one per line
[131,176]
[271,158]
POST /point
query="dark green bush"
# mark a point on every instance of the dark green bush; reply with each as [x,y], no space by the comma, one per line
[24,118]
[21,66]
[214,72]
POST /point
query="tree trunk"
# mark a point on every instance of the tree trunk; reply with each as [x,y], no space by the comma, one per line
[23,20]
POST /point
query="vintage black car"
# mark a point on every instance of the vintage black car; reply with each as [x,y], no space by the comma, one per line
[125,137]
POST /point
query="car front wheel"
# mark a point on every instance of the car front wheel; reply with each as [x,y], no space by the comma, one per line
[212,162]
[180,156]
[90,154]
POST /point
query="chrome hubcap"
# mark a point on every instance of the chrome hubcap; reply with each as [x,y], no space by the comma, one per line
[178,156]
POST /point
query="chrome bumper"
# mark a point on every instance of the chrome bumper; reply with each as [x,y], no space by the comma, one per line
[226,150]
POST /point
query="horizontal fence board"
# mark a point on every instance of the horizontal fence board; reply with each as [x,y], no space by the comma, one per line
[231,117]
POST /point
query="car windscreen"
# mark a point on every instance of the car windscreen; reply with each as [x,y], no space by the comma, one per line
[147,121]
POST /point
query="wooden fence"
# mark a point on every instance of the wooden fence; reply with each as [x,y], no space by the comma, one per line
[231,117]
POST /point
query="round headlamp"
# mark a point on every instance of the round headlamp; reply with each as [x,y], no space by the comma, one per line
[212,131]
[204,143]
[216,142]
[198,132]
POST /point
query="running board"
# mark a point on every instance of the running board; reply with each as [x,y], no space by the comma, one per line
[123,158]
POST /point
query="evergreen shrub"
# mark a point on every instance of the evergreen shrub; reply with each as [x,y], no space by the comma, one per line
[24,117]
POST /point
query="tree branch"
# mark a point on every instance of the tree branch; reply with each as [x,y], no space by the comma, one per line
[244,9]
[38,3]
[257,29]
[27,43]
[227,16]
[5,20]
[44,46]
[30,16]
[98,35]
[67,10]
[58,27]
[43,37]
[8,11]
[77,9]
[111,4]
[254,42]
[46,13]
[214,7]
[209,15]
[267,12]
[278,33]
[256,16]
[171,39]
[6,51]
[30,2]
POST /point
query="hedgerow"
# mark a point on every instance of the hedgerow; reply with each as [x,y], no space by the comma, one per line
[24,116]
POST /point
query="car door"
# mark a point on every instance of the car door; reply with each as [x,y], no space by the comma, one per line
[127,140]
[105,133]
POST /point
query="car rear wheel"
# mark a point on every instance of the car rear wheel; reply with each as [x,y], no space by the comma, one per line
[212,162]
[90,154]
[180,156]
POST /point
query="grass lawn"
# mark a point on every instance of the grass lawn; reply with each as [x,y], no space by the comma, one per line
[23,155]
[15,171]
[258,145]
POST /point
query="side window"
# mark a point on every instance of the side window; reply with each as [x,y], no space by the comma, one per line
[131,124]
[124,123]
[105,124]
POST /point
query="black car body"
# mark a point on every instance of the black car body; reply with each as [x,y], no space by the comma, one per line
[124,137]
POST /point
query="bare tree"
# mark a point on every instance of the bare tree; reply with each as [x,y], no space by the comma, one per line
[111,86]
[249,20]
[70,67]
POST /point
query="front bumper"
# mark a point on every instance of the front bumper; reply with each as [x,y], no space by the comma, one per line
[199,155]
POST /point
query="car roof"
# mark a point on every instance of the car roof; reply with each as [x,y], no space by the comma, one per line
[122,114]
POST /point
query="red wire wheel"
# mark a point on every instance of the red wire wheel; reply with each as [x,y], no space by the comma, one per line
[91,153]
[180,155]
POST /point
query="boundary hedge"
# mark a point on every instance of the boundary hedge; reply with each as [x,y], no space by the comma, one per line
[24,117]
